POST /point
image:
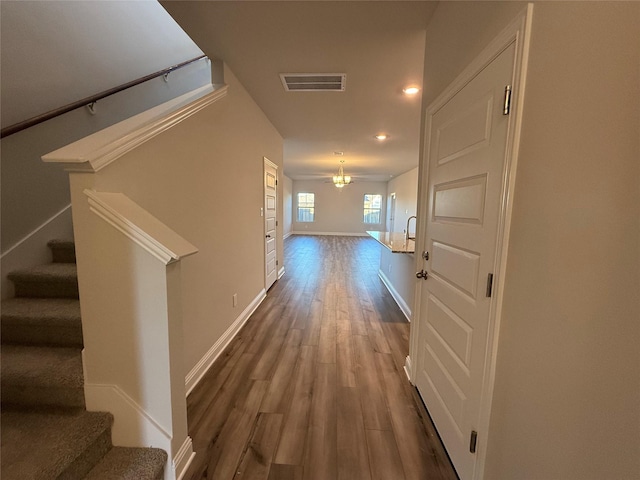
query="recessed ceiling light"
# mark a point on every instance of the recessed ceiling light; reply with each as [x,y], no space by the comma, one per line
[411,90]
[381,136]
[338,154]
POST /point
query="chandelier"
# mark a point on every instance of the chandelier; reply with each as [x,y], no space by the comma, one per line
[340,180]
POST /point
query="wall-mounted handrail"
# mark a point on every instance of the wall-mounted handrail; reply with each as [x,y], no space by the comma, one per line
[18,127]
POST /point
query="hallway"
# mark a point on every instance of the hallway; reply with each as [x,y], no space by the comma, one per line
[313,386]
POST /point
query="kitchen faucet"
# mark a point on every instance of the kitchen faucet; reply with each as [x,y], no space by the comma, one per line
[407,237]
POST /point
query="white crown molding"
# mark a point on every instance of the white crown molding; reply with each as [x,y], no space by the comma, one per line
[136,223]
[96,151]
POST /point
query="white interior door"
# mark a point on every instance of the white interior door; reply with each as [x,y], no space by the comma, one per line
[270,222]
[467,144]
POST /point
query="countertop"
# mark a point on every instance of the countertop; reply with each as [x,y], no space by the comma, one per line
[394,241]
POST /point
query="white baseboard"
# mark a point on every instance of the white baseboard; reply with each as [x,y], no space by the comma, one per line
[32,250]
[396,296]
[287,235]
[197,372]
[183,458]
[280,272]
[339,234]
[407,368]
[133,427]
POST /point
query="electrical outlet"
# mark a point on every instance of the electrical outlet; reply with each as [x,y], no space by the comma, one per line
[389,268]
[235,299]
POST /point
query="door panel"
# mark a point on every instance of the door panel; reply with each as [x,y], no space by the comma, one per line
[270,223]
[466,152]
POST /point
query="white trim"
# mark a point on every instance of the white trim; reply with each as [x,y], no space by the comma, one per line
[407,368]
[396,296]
[96,151]
[32,250]
[183,458]
[281,272]
[36,231]
[338,234]
[128,217]
[518,32]
[270,163]
[111,398]
[198,371]
[286,235]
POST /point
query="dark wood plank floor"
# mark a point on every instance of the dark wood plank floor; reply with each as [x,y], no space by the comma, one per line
[313,386]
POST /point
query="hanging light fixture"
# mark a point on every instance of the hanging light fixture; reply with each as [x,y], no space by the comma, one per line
[340,180]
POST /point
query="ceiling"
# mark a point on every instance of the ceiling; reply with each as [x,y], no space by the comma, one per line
[378,44]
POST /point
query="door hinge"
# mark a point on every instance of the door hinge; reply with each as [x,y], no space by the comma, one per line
[276,182]
[489,284]
[473,441]
[276,263]
[276,223]
[507,100]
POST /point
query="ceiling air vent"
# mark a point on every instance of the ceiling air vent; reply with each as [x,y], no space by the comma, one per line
[314,82]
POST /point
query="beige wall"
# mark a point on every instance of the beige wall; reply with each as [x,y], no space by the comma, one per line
[338,211]
[203,178]
[567,393]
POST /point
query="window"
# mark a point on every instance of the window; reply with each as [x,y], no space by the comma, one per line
[306,203]
[372,208]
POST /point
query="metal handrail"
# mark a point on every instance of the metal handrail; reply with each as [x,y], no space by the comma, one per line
[18,127]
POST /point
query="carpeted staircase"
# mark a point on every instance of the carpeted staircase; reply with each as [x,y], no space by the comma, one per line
[46,431]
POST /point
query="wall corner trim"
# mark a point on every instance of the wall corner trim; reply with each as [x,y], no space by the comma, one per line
[94,152]
[136,223]
[197,372]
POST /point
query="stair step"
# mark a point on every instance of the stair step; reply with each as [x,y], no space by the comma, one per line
[64,446]
[38,376]
[130,464]
[46,281]
[42,321]
[63,251]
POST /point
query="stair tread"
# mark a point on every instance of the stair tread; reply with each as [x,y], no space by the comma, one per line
[61,272]
[42,366]
[39,311]
[39,445]
[61,243]
[129,464]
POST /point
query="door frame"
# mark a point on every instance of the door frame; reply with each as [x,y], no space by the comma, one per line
[518,32]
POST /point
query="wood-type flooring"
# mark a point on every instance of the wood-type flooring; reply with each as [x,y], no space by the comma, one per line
[313,385]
